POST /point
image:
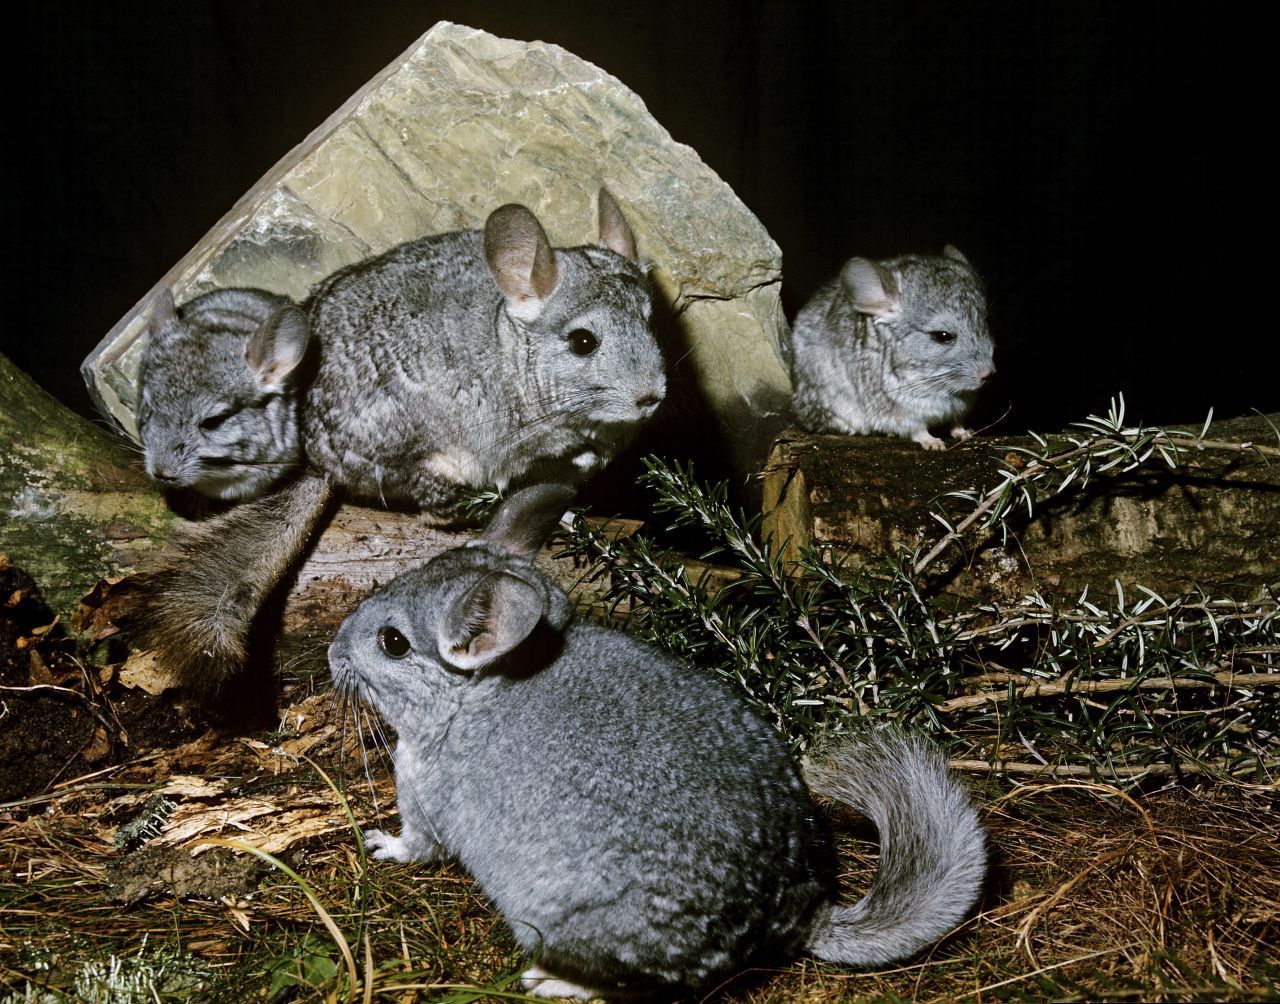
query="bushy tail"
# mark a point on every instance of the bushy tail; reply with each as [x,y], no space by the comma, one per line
[932,848]
[196,610]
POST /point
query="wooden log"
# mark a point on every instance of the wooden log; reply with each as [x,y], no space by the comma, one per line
[75,508]
[1214,522]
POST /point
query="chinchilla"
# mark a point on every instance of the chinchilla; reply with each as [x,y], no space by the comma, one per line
[218,407]
[637,825]
[481,358]
[893,346]
[461,361]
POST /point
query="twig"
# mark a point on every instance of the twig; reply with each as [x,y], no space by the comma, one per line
[986,505]
[1080,770]
[1049,969]
[1224,679]
[48,688]
[804,623]
[1221,610]
[1221,444]
[1106,442]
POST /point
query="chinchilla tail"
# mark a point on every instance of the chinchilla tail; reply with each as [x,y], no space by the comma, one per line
[196,608]
[932,848]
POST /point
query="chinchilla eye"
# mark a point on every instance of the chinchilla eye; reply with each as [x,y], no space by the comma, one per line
[211,422]
[582,342]
[943,337]
[393,643]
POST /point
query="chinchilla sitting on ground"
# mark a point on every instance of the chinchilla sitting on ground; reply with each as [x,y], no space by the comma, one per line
[218,407]
[893,346]
[467,360]
[640,829]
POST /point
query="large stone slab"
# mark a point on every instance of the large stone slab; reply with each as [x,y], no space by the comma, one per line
[462,123]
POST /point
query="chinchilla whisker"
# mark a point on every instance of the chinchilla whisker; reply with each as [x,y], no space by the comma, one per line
[687,353]
[233,462]
[520,434]
[380,742]
[361,722]
[343,708]
[384,747]
[302,656]
[539,418]
[528,429]
[576,406]
[111,425]
[357,713]
[378,737]
[522,431]
[944,378]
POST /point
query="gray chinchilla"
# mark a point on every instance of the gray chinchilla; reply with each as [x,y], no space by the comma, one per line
[460,361]
[481,358]
[893,346]
[636,824]
[218,407]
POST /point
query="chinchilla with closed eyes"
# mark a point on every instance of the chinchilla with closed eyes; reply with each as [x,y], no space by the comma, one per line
[460,361]
[218,406]
[893,346]
[640,829]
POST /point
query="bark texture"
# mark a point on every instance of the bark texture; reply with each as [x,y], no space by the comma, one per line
[75,508]
[1214,523]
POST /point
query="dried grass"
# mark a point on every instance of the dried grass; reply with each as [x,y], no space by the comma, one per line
[1095,894]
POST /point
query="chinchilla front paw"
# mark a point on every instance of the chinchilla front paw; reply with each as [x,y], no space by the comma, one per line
[386,847]
[537,982]
[929,442]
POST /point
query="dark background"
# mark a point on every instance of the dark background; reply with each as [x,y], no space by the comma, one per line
[1079,154]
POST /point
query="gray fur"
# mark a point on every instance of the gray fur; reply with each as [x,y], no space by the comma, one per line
[218,407]
[637,825]
[198,607]
[931,861]
[446,363]
[866,357]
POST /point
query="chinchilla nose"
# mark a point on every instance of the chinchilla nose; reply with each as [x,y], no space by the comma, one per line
[164,470]
[648,402]
[986,374]
[339,644]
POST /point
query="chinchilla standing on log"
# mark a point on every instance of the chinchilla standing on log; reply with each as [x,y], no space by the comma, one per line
[893,346]
[466,360]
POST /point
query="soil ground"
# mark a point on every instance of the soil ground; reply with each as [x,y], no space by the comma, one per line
[1167,894]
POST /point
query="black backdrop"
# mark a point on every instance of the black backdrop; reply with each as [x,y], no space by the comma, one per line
[1078,153]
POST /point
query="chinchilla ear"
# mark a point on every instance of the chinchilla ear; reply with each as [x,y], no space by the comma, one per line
[164,315]
[520,258]
[874,289]
[953,252]
[277,346]
[614,232]
[489,620]
[524,521]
